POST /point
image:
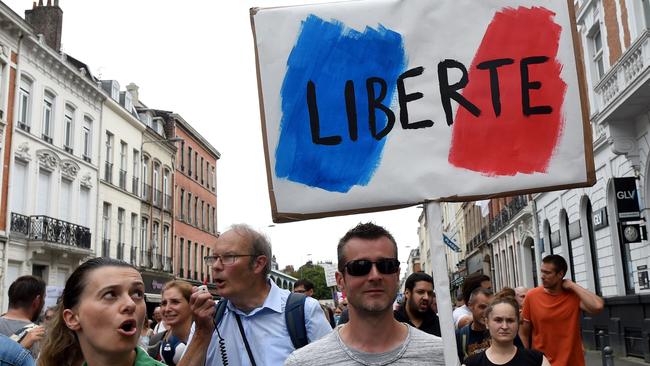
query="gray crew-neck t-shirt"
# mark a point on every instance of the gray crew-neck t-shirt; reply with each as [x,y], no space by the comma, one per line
[418,349]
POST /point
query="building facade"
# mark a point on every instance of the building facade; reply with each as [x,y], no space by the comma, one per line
[196,198]
[54,158]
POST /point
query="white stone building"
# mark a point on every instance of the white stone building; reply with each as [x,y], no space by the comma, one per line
[54,157]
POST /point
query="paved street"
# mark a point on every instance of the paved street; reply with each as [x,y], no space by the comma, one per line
[594,359]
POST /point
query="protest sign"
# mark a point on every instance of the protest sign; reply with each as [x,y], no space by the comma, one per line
[368,105]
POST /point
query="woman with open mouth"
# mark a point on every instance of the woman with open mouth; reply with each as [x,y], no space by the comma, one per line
[99,318]
[502,319]
[169,346]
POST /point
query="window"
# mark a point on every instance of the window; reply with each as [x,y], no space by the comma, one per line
[154,236]
[123,157]
[134,230]
[597,52]
[196,165]
[108,166]
[202,170]
[165,242]
[44,183]
[196,211]
[128,101]
[156,184]
[182,255]
[87,138]
[84,206]
[214,179]
[144,225]
[189,161]
[136,162]
[214,218]
[115,91]
[120,225]
[48,116]
[24,103]
[106,221]
[166,189]
[19,190]
[189,207]
[182,204]
[68,128]
[66,198]
[202,215]
[182,159]
[207,172]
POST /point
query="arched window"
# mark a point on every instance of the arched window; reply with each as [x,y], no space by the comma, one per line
[566,240]
[589,237]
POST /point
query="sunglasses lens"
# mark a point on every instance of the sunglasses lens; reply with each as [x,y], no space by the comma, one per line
[387,266]
[360,267]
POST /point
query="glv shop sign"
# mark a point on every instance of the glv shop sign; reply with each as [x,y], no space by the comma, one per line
[627,198]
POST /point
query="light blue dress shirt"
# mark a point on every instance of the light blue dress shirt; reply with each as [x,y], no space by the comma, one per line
[266,331]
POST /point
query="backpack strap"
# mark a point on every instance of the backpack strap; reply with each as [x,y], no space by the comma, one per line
[221,309]
[294,315]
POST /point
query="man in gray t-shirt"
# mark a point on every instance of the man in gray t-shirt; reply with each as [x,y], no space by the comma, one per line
[369,275]
[26,298]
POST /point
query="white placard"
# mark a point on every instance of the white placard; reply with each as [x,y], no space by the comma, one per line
[376,104]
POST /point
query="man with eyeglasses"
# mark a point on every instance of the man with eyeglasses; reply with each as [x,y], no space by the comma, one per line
[252,329]
[368,272]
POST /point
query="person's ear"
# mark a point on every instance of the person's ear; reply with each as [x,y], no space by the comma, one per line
[340,281]
[260,263]
[71,320]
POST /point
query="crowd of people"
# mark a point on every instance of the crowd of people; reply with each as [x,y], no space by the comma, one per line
[100,318]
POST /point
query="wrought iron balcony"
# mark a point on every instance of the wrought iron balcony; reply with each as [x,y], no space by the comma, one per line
[181,272]
[108,172]
[120,251]
[157,261]
[167,264]
[148,260]
[135,182]
[122,178]
[24,126]
[48,229]
[106,247]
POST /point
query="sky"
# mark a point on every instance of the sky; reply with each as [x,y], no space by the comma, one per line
[196,58]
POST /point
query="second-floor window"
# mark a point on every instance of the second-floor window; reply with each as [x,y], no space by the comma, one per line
[123,157]
[597,53]
[68,127]
[87,138]
[120,225]
[48,115]
[24,102]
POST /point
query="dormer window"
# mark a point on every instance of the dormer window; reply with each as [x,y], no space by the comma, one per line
[115,91]
[128,101]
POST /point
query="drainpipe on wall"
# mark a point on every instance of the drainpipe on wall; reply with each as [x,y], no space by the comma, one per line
[538,253]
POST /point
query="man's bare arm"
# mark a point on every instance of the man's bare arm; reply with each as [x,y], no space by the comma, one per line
[589,302]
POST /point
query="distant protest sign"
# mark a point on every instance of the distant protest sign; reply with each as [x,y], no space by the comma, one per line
[369,105]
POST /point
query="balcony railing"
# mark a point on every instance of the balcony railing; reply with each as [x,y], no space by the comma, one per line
[167,204]
[123,179]
[106,248]
[24,126]
[108,172]
[135,182]
[146,193]
[507,213]
[148,260]
[167,264]
[181,272]
[120,251]
[134,255]
[623,74]
[48,229]
[157,261]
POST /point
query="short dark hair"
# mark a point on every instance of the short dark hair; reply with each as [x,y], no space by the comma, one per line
[366,230]
[416,277]
[307,284]
[471,283]
[479,291]
[24,290]
[558,261]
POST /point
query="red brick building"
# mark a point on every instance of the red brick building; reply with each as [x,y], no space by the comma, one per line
[195,219]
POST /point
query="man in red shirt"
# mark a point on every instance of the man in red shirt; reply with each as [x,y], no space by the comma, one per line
[552,314]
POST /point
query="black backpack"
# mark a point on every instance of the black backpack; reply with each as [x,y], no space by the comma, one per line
[294,316]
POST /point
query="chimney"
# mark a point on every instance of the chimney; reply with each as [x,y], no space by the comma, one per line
[133,89]
[48,21]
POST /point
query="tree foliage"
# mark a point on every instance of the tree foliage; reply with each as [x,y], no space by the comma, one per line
[315,274]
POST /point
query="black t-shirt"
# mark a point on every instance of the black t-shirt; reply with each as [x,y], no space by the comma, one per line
[523,357]
[430,322]
[469,341]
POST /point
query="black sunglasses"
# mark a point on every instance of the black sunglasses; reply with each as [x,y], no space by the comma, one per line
[362,267]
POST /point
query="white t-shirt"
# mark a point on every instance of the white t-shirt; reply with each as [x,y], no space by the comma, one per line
[460,313]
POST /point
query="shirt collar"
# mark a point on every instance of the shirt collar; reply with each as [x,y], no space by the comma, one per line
[272,302]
